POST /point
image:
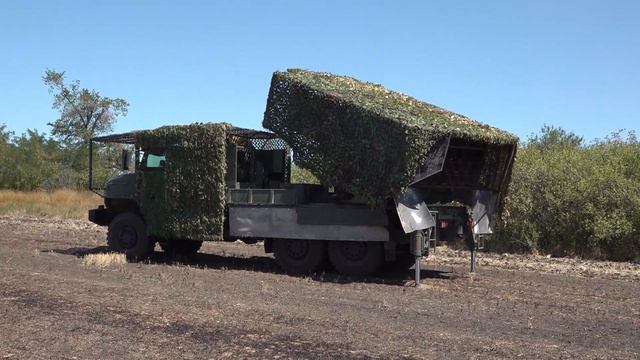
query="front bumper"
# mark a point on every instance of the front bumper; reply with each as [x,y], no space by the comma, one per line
[101,216]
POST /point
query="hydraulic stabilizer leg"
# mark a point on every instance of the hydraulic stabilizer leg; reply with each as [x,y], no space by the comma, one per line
[417,249]
[417,270]
[472,245]
[474,254]
[478,244]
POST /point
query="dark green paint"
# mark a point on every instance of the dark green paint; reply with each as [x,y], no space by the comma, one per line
[121,187]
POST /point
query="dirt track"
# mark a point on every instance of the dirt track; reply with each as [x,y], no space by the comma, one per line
[233,302]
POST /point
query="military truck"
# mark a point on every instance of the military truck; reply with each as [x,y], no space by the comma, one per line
[183,185]
[302,224]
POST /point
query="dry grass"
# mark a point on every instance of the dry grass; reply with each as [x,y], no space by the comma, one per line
[538,263]
[64,204]
[104,260]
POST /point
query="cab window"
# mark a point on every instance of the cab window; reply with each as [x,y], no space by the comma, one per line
[152,161]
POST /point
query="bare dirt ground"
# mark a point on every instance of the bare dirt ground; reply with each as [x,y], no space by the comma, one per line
[233,302]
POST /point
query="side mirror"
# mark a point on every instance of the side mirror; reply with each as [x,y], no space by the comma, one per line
[126,156]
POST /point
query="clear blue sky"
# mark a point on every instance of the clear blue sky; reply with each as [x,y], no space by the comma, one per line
[513,64]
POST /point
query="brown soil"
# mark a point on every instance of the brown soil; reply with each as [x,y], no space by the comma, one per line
[233,302]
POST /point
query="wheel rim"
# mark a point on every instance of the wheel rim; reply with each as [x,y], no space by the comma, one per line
[354,251]
[297,249]
[128,237]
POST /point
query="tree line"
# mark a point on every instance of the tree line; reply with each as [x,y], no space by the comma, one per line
[35,161]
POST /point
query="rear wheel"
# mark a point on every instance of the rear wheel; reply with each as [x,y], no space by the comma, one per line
[298,256]
[127,234]
[357,258]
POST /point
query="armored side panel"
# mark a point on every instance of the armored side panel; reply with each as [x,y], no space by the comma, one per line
[277,222]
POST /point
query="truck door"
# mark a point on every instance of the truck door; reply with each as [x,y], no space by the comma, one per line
[152,191]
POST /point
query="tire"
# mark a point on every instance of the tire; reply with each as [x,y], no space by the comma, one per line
[356,258]
[128,234]
[298,256]
[181,246]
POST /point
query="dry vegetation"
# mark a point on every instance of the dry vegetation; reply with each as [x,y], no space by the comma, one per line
[572,266]
[104,260]
[63,204]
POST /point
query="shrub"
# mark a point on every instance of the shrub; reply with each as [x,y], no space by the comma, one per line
[302,176]
[567,198]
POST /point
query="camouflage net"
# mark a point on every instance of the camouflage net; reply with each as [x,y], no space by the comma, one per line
[186,198]
[362,137]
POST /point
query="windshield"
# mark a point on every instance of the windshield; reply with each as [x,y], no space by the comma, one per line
[152,161]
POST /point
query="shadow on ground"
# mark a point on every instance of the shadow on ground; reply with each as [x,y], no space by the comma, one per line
[267,264]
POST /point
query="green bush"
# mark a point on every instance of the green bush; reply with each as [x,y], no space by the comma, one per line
[33,161]
[302,176]
[568,198]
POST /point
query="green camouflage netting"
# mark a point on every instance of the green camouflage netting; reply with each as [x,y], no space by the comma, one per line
[362,137]
[186,198]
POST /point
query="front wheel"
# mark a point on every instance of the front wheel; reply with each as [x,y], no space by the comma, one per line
[128,234]
[356,258]
[298,256]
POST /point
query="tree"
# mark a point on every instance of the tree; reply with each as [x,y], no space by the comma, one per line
[552,137]
[5,140]
[84,113]
[5,155]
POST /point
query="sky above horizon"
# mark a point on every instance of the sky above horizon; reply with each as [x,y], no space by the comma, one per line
[516,65]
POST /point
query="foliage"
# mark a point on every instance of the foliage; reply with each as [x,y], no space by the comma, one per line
[6,153]
[187,200]
[552,137]
[567,198]
[34,161]
[29,160]
[348,132]
[84,113]
[302,176]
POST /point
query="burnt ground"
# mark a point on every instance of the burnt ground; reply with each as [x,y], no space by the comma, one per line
[233,302]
